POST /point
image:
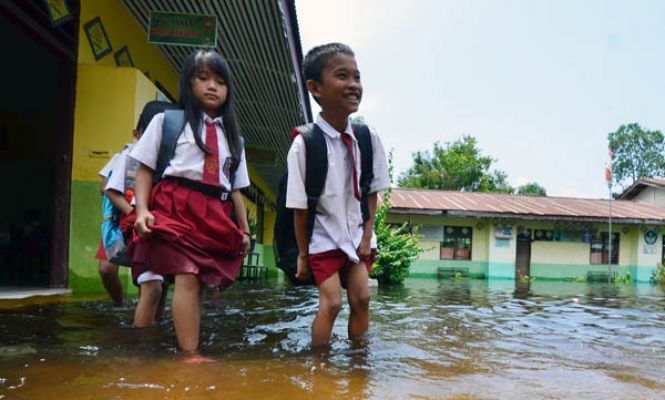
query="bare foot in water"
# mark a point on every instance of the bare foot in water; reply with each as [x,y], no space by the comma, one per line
[195,358]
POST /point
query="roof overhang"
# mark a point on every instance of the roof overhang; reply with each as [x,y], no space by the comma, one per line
[261,41]
[526,217]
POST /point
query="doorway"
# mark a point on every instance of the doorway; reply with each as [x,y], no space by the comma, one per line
[36,123]
[523,256]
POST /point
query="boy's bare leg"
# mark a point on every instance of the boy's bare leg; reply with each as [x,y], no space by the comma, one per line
[162,302]
[330,303]
[358,293]
[109,274]
[149,295]
[186,311]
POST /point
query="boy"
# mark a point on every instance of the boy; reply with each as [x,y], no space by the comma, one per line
[120,190]
[108,271]
[341,249]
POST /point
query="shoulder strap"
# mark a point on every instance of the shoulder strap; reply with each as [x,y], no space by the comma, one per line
[316,168]
[174,122]
[366,164]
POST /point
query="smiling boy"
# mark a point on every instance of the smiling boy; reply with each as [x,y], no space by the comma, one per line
[341,249]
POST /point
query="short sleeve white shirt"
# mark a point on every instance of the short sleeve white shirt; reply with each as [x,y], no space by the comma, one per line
[108,167]
[119,171]
[187,161]
[338,223]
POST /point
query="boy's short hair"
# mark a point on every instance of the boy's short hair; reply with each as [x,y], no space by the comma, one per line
[151,109]
[317,58]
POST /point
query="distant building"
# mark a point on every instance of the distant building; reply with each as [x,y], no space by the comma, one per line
[509,236]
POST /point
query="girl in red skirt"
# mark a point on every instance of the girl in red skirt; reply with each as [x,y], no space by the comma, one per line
[185,220]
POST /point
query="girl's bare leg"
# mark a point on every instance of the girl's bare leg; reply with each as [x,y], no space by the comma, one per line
[187,311]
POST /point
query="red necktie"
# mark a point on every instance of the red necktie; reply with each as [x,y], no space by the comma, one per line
[346,138]
[211,160]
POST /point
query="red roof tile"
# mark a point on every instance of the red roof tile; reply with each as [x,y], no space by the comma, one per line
[639,186]
[535,207]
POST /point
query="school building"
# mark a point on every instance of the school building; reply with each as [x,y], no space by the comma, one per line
[486,235]
[75,76]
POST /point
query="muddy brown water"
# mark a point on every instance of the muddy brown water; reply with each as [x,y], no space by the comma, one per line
[430,339]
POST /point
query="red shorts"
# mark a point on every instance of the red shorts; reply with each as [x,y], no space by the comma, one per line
[325,264]
[101,253]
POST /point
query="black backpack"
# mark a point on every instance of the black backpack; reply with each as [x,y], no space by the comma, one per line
[316,170]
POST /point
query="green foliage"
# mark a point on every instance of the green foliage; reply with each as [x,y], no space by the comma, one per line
[624,280]
[580,279]
[637,153]
[251,221]
[456,166]
[532,189]
[658,275]
[397,247]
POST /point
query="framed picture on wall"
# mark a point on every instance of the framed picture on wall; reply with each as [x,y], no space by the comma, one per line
[58,11]
[97,37]
[123,58]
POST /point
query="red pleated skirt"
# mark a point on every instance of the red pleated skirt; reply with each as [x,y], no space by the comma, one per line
[193,233]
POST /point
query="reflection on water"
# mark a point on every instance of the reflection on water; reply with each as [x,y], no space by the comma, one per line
[429,340]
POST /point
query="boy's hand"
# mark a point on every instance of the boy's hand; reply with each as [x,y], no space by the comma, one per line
[303,272]
[144,219]
[364,250]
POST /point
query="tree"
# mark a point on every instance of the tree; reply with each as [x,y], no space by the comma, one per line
[637,153]
[456,166]
[532,189]
[397,248]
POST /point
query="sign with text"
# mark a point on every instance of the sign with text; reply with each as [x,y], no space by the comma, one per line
[182,29]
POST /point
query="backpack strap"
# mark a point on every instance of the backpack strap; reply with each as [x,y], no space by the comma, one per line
[366,165]
[174,122]
[316,168]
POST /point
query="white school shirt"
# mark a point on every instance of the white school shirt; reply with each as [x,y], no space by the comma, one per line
[187,162]
[338,223]
[117,179]
[104,172]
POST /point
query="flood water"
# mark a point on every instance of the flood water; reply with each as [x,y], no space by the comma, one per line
[430,339]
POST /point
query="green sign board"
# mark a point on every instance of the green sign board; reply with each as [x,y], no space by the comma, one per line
[183,29]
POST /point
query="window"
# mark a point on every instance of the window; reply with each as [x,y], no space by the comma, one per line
[543,234]
[456,244]
[600,246]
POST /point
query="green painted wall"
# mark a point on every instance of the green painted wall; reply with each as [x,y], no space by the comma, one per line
[84,237]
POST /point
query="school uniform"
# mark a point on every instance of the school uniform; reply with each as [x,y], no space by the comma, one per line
[122,180]
[104,174]
[338,225]
[193,231]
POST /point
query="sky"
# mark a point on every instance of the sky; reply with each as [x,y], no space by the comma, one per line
[538,83]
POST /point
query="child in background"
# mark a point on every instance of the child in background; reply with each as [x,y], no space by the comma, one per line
[185,219]
[342,246]
[120,190]
[108,271]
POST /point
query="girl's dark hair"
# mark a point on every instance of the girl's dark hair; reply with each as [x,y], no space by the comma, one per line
[216,63]
[317,58]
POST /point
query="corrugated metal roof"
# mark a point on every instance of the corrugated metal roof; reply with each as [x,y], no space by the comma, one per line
[260,39]
[639,186]
[516,206]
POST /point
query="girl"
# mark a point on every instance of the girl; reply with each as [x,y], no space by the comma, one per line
[185,220]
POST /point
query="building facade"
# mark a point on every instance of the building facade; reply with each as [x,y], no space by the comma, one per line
[513,237]
[77,76]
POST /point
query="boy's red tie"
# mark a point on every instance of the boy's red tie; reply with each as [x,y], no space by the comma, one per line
[348,141]
[211,160]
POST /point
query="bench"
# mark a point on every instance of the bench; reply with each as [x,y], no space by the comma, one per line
[600,276]
[252,269]
[451,272]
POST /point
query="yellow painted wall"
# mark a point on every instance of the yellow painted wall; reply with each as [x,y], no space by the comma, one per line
[543,252]
[109,101]
[123,30]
